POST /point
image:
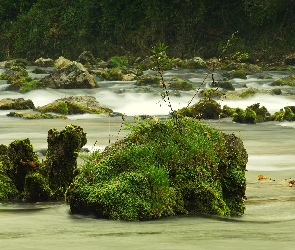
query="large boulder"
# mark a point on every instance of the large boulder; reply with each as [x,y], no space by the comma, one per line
[72,76]
[163,168]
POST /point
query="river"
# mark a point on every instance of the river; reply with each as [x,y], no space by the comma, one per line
[269,219]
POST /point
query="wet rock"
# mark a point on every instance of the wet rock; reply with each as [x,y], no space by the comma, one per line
[18,104]
[72,76]
[44,62]
[61,156]
[75,105]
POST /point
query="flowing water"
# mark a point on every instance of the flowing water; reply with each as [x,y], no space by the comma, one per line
[268,222]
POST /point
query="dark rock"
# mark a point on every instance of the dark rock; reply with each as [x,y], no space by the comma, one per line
[86,58]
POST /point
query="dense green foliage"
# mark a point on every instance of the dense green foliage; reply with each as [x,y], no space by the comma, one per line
[50,28]
[162,169]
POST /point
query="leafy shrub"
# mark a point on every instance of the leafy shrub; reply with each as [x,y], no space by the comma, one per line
[62,108]
[118,61]
[161,169]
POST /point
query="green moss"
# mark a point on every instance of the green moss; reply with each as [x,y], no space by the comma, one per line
[24,161]
[289,80]
[276,91]
[36,187]
[7,188]
[205,109]
[211,93]
[253,114]
[248,93]
[162,169]
[61,157]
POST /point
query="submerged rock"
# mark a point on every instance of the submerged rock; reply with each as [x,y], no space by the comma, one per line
[72,76]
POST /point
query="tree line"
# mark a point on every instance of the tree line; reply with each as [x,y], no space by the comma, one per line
[51,28]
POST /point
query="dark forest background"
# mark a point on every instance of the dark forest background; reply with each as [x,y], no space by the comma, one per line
[51,28]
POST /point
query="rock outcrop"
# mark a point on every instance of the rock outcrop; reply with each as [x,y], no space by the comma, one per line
[72,76]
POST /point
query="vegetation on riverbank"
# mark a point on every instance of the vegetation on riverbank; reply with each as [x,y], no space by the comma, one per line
[31,29]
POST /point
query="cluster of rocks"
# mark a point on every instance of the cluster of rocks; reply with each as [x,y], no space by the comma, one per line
[24,176]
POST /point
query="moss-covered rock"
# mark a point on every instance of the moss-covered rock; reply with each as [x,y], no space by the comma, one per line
[224,84]
[35,115]
[211,93]
[289,81]
[24,161]
[86,58]
[61,157]
[36,187]
[252,114]
[204,109]
[239,73]
[75,105]
[18,104]
[180,84]
[163,169]
[276,91]
[148,80]
[7,187]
